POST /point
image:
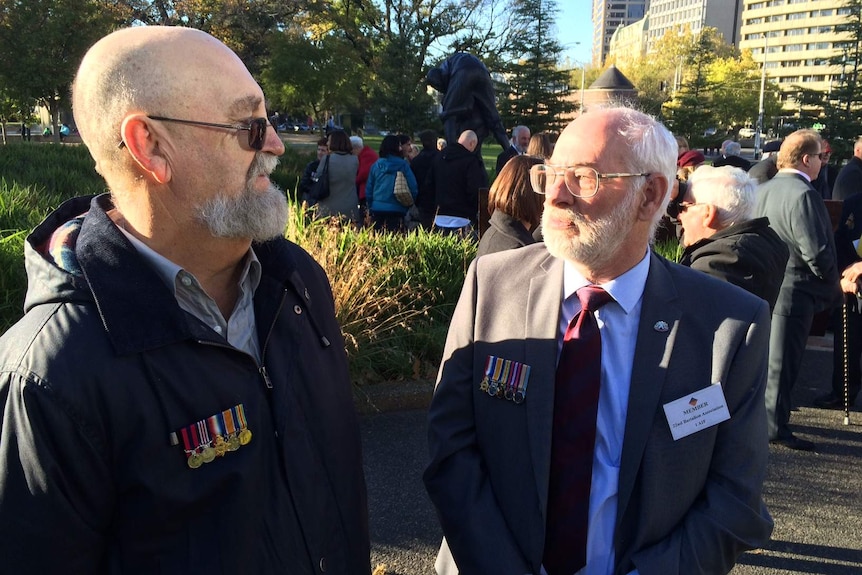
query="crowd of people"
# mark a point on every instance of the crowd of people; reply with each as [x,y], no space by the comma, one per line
[176,398]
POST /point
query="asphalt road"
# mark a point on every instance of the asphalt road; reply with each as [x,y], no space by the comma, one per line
[815,498]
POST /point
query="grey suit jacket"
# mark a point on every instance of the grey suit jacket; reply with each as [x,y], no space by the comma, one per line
[688,506]
[798,215]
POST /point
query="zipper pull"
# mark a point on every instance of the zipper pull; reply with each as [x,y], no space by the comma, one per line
[265,376]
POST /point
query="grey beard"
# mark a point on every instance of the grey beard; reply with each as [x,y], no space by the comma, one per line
[253,215]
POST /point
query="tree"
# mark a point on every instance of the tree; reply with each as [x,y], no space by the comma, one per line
[841,110]
[42,43]
[736,91]
[395,40]
[534,90]
[308,76]
[690,112]
[243,25]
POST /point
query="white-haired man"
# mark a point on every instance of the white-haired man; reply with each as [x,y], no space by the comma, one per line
[722,238]
[519,142]
[591,414]
[176,398]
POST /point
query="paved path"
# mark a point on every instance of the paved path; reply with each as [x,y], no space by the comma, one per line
[815,498]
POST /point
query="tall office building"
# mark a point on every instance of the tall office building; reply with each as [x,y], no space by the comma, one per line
[608,15]
[795,39]
[667,15]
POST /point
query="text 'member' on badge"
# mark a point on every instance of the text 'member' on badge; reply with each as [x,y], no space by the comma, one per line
[696,411]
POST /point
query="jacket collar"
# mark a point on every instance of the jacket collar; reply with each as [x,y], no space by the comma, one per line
[137,309]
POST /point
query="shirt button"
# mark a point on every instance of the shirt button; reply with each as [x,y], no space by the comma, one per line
[217,328]
[323,564]
[186,281]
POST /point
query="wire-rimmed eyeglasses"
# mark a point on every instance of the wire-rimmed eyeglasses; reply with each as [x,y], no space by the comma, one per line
[256,129]
[581,181]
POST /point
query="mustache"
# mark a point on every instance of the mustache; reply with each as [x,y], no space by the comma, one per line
[262,165]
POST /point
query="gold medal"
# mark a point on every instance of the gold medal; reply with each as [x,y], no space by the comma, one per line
[484,385]
[245,437]
[194,461]
[208,454]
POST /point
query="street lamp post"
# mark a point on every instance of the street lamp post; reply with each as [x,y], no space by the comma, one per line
[759,128]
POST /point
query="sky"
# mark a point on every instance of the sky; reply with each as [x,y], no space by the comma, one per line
[574,24]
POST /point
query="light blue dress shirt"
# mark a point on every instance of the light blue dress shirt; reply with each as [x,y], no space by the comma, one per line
[618,324]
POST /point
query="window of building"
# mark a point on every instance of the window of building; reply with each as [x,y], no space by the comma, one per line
[796,32]
[797,15]
[751,21]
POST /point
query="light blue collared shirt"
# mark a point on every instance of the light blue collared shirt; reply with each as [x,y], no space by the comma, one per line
[618,324]
[240,330]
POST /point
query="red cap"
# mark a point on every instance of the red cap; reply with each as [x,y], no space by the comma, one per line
[690,158]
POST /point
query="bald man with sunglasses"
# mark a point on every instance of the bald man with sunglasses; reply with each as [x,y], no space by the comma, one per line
[176,398]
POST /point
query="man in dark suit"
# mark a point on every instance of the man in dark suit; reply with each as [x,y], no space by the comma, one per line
[850,262]
[498,434]
[797,213]
[849,180]
[518,146]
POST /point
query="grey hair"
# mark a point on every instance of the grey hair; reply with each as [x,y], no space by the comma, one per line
[732,149]
[356,141]
[731,190]
[518,129]
[652,149]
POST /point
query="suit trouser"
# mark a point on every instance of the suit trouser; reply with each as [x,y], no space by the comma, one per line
[786,346]
[854,350]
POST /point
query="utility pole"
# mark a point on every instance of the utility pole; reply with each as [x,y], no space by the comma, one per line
[759,127]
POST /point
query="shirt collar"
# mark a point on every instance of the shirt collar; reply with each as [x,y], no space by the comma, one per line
[626,289]
[794,171]
[168,270]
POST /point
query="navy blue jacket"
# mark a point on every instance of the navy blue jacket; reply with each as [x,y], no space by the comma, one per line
[105,367]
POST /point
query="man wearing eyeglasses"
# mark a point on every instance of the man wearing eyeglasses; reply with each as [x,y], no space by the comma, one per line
[599,410]
[176,398]
[721,237]
[797,213]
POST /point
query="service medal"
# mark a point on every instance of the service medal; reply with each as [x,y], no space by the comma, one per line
[208,454]
[245,437]
[194,461]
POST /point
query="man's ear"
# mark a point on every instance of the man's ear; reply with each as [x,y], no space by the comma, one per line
[654,192]
[143,142]
[710,217]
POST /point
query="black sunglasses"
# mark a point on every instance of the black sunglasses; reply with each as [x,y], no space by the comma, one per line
[256,129]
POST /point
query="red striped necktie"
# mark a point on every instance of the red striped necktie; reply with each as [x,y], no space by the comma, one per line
[576,400]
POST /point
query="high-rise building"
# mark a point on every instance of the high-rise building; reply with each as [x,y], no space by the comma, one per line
[795,39]
[669,15]
[608,15]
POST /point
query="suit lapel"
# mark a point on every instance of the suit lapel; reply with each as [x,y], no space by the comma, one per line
[542,317]
[652,356]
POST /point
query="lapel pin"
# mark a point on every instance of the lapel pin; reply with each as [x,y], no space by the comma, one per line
[661,326]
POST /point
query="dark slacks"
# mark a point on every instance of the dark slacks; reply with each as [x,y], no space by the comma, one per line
[786,346]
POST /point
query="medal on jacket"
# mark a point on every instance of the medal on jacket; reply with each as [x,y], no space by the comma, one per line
[245,432]
[214,436]
[505,379]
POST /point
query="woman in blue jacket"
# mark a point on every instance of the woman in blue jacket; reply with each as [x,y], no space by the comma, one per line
[387,213]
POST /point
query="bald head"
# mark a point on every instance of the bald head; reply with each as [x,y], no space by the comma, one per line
[468,139]
[153,70]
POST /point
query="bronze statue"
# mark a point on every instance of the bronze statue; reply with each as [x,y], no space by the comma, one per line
[468,99]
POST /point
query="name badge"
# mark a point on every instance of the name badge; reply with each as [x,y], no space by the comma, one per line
[696,411]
